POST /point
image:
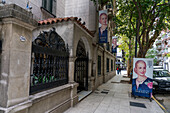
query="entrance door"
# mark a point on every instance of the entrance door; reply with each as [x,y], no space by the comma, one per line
[81,67]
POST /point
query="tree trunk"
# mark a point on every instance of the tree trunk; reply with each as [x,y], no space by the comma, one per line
[130,69]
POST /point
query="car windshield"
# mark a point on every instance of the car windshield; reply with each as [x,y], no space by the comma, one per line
[161,74]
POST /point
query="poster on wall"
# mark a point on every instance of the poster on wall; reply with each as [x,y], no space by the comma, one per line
[142,82]
[114,44]
[103,26]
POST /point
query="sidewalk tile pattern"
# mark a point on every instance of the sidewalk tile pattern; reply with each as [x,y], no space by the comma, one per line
[116,101]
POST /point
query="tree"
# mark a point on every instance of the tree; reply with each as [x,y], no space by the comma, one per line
[137,18]
[128,45]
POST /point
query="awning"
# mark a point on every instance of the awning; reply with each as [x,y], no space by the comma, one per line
[119,63]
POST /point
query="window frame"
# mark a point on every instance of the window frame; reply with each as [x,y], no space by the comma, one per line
[49,6]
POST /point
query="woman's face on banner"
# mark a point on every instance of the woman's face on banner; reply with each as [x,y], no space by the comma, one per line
[141,68]
[103,19]
[114,41]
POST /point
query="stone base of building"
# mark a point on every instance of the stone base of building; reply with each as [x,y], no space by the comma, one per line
[55,100]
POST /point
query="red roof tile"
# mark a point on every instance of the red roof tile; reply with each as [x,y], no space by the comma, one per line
[55,20]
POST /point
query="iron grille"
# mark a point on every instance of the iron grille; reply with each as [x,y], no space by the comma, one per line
[81,67]
[49,62]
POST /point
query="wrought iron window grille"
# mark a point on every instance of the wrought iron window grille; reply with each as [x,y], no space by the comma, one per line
[50,59]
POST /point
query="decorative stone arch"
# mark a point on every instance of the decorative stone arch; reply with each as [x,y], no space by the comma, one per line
[87,47]
[86,43]
[82,71]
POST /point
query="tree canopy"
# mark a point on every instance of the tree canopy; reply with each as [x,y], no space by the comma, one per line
[141,19]
[144,19]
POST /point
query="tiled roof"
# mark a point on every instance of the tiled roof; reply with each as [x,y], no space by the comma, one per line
[56,20]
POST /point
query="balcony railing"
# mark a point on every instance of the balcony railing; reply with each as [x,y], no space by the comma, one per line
[158,42]
[159,47]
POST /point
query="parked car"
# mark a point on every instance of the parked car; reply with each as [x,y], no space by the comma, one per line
[161,81]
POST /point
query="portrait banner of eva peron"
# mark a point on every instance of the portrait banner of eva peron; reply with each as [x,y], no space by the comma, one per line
[103,21]
[142,82]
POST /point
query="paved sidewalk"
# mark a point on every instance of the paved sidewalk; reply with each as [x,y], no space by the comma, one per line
[114,97]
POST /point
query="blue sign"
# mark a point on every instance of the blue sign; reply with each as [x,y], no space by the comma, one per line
[114,50]
[103,37]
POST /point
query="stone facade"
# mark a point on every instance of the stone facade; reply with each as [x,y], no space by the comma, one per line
[83,9]
[18,29]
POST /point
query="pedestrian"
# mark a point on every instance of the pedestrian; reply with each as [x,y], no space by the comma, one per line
[117,70]
[120,70]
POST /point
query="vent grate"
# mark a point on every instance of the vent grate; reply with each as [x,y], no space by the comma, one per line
[136,104]
[105,92]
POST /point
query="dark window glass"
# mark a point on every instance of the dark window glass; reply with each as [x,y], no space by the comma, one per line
[107,65]
[99,65]
[48,5]
[111,65]
[108,46]
[101,44]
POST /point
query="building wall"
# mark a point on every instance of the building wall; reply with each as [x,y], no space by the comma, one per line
[83,9]
[165,48]
[104,76]
[35,4]
[99,77]
[159,50]
[60,10]
[15,93]
[111,73]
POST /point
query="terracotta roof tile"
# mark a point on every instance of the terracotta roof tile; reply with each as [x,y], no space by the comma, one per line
[55,20]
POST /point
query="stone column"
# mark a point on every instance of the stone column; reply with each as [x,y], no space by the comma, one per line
[71,69]
[16,27]
[90,82]
[74,85]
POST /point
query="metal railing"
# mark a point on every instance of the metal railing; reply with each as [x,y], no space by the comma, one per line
[49,62]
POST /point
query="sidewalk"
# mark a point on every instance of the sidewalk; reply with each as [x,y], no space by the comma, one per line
[115,97]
